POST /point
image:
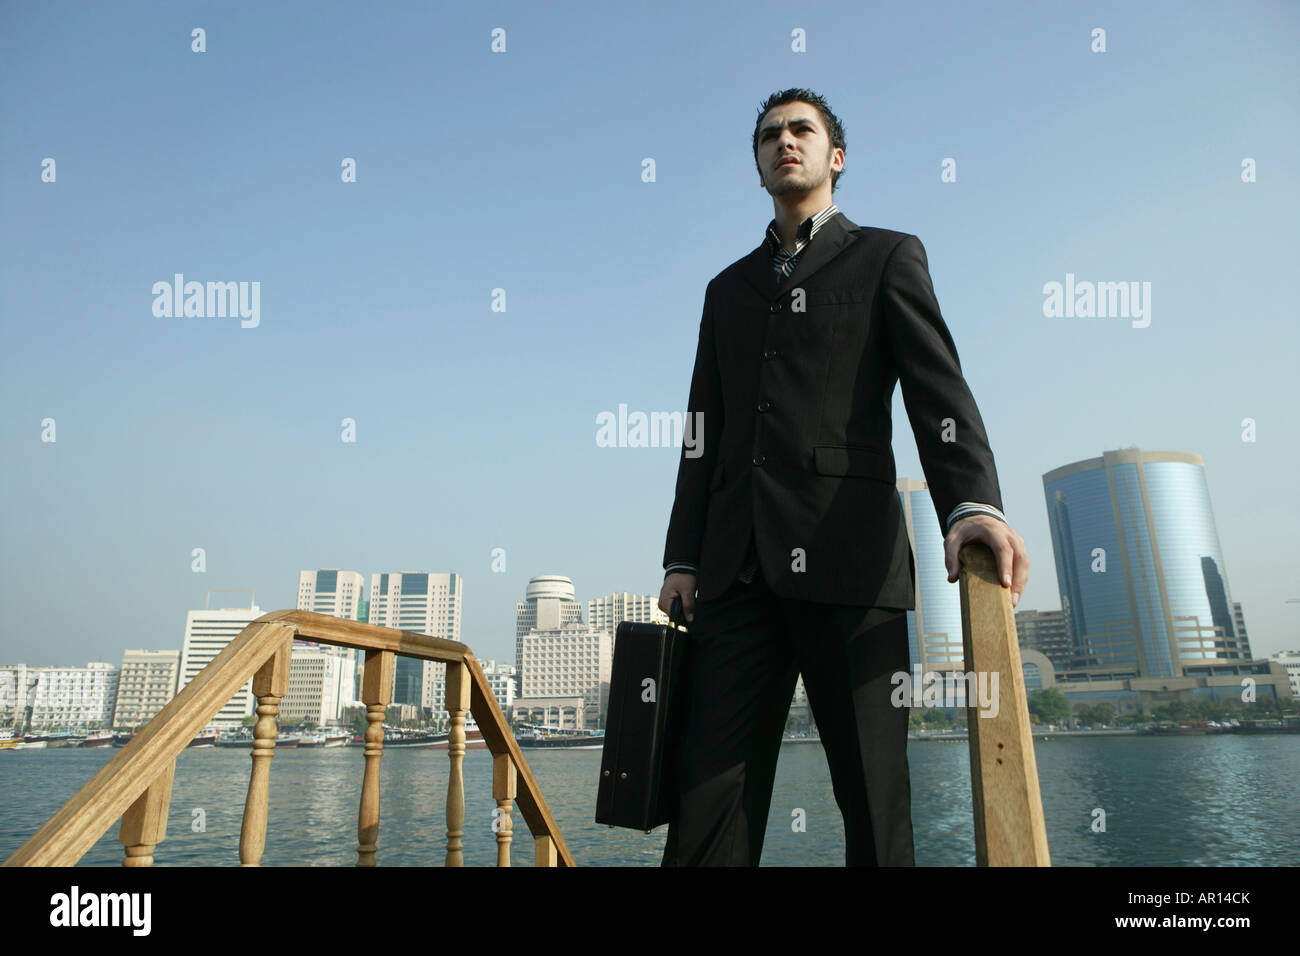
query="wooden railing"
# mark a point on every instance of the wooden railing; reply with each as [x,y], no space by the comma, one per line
[136,783]
[1009,826]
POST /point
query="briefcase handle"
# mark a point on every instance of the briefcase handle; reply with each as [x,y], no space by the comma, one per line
[675,615]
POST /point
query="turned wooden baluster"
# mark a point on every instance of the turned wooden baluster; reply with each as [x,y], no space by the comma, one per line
[503,791]
[458,688]
[377,693]
[270,684]
[144,825]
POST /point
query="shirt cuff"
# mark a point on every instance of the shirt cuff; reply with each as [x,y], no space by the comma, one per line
[967,508]
[680,567]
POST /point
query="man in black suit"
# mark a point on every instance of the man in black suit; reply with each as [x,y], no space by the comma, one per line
[787,520]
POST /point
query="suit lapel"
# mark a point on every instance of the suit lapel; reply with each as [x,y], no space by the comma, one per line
[835,235]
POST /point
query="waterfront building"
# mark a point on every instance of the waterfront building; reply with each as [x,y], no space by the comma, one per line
[501,678]
[1044,631]
[331,591]
[207,632]
[321,681]
[608,612]
[1240,620]
[1144,585]
[566,662]
[548,603]
[1213,680]
[338,593]
[59,698]
[934,636]
[1290,662]
[147,682]
[426,603]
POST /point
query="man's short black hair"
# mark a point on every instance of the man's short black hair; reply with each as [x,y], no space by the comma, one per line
[834,129]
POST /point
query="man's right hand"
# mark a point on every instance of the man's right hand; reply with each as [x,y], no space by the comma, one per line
[681,585]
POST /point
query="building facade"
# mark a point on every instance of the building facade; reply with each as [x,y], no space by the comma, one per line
[1143,581]
[147,683]
[501,678]
[207,632]
[58,698]
[321,681]
[427,603]
[570,661]
[548,603]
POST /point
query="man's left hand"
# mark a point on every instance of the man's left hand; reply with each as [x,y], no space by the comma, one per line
[1007,546]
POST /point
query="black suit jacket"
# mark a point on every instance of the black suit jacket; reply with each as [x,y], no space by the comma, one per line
[795,407]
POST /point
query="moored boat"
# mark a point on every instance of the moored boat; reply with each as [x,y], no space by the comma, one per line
[473,736]
[551,738]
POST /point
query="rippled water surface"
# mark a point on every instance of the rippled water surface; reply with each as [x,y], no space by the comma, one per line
[1197,801]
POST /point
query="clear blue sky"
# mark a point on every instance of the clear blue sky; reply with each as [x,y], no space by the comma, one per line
[476,429]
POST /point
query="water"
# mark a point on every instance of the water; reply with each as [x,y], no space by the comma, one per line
[1221,800]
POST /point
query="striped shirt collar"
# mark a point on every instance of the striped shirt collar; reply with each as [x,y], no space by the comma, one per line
[807,229]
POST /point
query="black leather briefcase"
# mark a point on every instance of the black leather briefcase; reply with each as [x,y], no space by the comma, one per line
[647,702]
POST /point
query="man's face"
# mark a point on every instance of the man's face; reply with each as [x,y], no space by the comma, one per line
[794,131]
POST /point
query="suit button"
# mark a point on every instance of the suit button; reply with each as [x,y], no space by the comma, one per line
[759,459]
[764,406]
[774,307]
[769,354]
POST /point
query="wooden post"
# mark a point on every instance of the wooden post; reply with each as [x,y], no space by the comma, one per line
[458,693]
[545,851]
[377,693]
[503,791]
[1010,829]
[144,825]
[270,684]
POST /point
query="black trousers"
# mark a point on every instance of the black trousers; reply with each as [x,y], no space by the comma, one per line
[747,649]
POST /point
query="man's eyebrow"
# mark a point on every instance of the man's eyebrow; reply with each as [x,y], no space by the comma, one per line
[794,122]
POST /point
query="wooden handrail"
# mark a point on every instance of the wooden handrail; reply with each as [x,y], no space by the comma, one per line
[1010,829]
[135,784]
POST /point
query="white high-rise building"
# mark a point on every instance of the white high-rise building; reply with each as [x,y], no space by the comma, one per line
[1290,660]
[17,682]
[606,613]
[331,591]
[61,698]
[207,632]
[427,604]
[548,603]
[146,685]
[501,678]
[321,678]
[570,661]
[338,593]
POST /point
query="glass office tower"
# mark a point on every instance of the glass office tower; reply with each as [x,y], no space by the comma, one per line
[1144,588]
[934,628]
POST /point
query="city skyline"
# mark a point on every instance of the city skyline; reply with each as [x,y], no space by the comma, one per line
[476,430]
